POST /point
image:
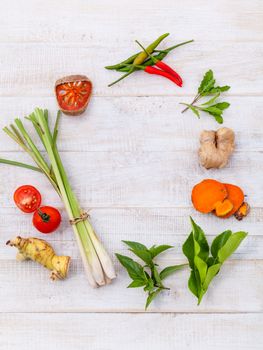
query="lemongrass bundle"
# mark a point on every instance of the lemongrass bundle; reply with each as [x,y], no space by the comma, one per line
[98,265]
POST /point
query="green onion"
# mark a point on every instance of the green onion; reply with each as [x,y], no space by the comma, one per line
[97,263]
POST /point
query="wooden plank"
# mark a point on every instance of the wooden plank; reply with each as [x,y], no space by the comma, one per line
[149,226]
[124,331]
[139,124]
[30,290]
[153,179]
[99,23]
[32,69]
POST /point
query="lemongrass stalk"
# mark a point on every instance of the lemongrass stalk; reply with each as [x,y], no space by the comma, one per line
[31,153]
[97,263]
[22,165]
[69,200]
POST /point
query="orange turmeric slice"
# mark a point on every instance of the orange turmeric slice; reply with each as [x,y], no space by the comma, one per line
[223,208]
[242,211]
[236,196]
[207,194]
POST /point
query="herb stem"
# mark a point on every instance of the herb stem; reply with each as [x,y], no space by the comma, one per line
[191,104]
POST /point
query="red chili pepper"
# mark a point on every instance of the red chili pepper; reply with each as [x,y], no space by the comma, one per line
[168,69]
[153,70]
[164,67]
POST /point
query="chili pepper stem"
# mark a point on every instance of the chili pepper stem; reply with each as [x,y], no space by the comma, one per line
[122,77]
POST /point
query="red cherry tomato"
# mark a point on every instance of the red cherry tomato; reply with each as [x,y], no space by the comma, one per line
[27,198]
[46,219]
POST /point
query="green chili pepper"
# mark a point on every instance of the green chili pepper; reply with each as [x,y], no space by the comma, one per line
[149,62]
[143,55]
[119,65]
[130,65]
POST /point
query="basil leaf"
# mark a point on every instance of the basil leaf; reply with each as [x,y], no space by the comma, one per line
[211,273]
[219,241]
[201,267]
[192,284]
[157,277]
[137,283]
[231,245]
[159,249]
[170,270]
[145,255]
[135,245]
[207,83]
[200,237]
[151,297]
[149,286]
[134,269]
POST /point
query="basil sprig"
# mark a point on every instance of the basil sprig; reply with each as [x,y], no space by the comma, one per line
[204,267]
[147,275]
[207,87]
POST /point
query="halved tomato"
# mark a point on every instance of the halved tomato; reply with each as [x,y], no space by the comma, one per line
[73,93]
[27,198]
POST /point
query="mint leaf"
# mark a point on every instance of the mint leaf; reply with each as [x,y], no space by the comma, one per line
[212,100]
[207,87]
[207,83]
[219,89]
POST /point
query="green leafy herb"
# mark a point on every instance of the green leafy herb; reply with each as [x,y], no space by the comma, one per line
[147,276]
[207,87]
[204,267]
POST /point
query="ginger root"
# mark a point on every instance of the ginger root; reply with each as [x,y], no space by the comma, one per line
[40,251]
[216,147]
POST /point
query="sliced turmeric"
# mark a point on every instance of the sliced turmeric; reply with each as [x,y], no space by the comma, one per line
[207,194]
[223,208]
[223,200]
[40,251]
[236,196]
[242,211]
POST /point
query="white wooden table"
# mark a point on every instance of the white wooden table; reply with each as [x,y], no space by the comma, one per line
[132,159]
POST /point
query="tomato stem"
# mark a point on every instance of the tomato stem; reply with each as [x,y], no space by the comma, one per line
[44,216]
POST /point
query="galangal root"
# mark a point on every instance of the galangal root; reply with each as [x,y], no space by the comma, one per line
[40,251]
[216,147]
[224,200]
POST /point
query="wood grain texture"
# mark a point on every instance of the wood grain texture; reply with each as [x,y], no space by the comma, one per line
[32,69]
[132,160]
[70,332]
[151,179]
[124,124]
